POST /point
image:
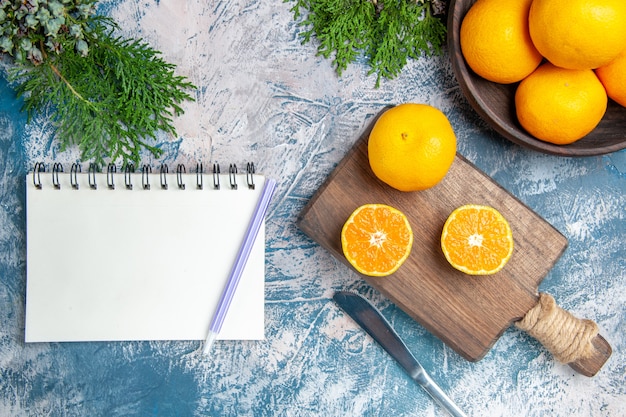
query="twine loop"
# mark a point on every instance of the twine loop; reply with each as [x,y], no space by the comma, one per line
[567,337]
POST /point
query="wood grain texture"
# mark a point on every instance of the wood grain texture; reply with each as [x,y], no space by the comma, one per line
[495,103]
[468,313]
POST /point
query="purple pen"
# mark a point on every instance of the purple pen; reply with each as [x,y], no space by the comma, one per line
[240,262]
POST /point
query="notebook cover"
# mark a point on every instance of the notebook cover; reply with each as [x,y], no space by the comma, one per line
[138,264]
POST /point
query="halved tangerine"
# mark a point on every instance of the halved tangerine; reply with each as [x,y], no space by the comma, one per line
[376,239]
[477,240]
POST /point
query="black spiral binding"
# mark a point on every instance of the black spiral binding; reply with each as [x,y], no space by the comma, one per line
[199,172]
[92,177]
[39,168]
[164,170]
[111,169]
[128,170]
[180,170]
[145,179]
[56,168]
[216,176]
[146,170]
[74,175]
[250,171]
[232,176]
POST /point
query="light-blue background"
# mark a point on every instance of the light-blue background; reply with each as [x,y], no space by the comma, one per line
[264,96]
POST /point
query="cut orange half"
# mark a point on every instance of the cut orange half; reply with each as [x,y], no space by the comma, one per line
[477,240]
[376,239]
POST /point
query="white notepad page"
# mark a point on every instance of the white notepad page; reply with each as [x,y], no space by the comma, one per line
[113,265]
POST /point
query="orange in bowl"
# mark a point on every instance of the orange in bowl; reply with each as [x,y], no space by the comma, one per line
[578,34]
[559,105]
[613,77]
[495,40]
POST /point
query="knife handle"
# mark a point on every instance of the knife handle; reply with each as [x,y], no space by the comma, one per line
[571,340]
[431,387]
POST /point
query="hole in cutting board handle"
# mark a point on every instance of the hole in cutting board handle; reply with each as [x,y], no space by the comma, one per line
[571,340]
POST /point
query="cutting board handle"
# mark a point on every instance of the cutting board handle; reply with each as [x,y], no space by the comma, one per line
[571,340]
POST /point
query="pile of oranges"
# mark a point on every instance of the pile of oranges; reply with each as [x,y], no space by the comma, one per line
[568,56]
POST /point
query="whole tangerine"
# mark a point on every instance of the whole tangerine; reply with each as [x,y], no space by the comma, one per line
[411,146]
[495,40]
[560,105]
[613,77]
[578,34]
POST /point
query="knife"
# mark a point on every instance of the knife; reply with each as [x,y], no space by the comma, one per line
[373,322]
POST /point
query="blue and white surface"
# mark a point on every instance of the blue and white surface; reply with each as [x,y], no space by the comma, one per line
[265,97]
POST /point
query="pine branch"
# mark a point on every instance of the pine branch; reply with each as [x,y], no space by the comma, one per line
[346,37]
[386,32]
[108,95]
[407,31]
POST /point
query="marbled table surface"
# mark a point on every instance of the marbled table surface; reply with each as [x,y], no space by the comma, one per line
[264,96]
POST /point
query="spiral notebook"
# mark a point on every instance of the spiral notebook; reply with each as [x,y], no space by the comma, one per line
[139,255]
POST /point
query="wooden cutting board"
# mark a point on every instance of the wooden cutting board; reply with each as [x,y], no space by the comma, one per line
[468,313]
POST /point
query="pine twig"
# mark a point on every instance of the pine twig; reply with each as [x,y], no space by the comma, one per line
[386,32]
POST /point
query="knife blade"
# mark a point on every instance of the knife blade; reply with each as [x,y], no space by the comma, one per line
[374,323]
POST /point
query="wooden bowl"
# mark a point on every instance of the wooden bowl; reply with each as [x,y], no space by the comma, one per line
[495,104]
